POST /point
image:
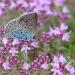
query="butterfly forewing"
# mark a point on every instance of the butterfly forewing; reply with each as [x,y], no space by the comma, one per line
[28,22]
[23,27]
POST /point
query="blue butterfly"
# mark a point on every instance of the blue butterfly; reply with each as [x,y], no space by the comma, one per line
[23,27]
[22,35]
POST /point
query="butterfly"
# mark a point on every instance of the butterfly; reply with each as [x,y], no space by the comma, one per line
[23,27]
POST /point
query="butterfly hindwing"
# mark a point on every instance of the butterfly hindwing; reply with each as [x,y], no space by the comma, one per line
[23,27]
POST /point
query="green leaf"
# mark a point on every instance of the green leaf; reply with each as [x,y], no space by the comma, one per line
[21,55]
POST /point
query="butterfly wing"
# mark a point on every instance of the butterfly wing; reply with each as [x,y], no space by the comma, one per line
[23,27]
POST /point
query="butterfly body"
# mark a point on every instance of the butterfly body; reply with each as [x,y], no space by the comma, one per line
[23,27]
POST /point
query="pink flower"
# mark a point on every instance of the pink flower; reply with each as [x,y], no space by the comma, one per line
[26,66]
[45,2]
[65,10]
[5,40]
[46,37]
[70,69]
[56,72]
[25,48]
[62,59]
[66,37]
[58,65]
[13,51]
[63,16]
[51,31]
[2,6]
[35,44]
[63,26]
[40,62]
[12,4]
[56,31]
[45,66]
[13,60]
[1,12]
[59,58]
[6,65]
[15,41]
[21,4]
[59,2]
[23,72]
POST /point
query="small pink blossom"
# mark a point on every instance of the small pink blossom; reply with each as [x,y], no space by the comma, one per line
[58,65]
[45,2]
[46,37]
[59,2]
[56,31]
[51,31]
[25,48]
[62,59]
[6,65]
[66,36]
[63,26]
[24,72]
[56,71]
[70,69]
[2,6]
[45,66]
[13,51]
[26,66]
[12,4]
[65,10]
[63,16]
[35,44]
[15,41]
[5,40]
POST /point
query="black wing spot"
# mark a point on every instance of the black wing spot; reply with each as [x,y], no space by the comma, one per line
[25,26]
[26,21]
[22,26]
[14,36]
[18,25]
[11,32]
[21,32]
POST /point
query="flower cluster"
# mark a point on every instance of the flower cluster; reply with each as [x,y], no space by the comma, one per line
[9,58]
[43,8]
[40,63]
[58,32]
[59,66]
[11,48]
